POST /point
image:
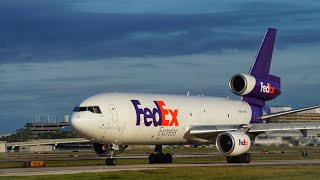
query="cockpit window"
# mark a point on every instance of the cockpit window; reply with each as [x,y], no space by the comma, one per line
[82,109]
[93,109]
[75,109]
[97,110]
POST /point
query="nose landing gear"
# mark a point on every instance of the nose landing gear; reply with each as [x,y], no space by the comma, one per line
[159,156]
[111,161]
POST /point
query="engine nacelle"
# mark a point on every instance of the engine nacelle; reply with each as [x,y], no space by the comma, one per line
[105,149]
[249,86]
[242,84]
[233,143]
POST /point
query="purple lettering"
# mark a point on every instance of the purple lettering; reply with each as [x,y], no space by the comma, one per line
[155,116]
[147,115]
[157,110]
[138,111]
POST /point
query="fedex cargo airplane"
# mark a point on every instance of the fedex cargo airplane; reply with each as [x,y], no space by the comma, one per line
[115,120]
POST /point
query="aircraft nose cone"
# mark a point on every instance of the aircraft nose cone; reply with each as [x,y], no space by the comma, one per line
[83,124]
[76,123]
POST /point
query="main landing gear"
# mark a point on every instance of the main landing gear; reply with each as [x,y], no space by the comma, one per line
[159,156]
[242,158]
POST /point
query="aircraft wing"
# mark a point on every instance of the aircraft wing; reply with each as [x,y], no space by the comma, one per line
[211,131]
[205,133]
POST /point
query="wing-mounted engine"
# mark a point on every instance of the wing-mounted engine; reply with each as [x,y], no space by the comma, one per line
[233,143]
[249,86]
[106,149]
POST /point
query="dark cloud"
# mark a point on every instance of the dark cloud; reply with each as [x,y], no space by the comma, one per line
[46,31]
[47,49]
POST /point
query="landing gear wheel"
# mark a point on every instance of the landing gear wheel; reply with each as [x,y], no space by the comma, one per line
[152,158]
[229,159]
[246,158]
[169,157]
[160,158]
[111,162]
[242,158]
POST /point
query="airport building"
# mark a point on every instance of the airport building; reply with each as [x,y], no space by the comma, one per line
[3,146]
[41,148]
[53,124]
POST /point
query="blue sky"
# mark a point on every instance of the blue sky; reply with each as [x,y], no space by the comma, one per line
[53,54]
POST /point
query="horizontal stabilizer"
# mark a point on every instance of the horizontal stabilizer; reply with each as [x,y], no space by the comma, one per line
[211,131]
[268,127]
[272,115]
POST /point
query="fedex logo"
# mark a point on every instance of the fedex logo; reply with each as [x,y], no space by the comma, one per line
[158,116]
[269,89]
[243,143]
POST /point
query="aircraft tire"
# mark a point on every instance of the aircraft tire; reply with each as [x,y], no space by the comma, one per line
[152,158]
[169,157]
[111,162]
[246,158]
[243,158]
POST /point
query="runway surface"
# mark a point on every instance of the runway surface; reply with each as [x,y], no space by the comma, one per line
[102,158]
[82,169]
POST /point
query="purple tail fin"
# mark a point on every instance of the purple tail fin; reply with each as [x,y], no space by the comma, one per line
[260,68]
[267,86]
[261,65]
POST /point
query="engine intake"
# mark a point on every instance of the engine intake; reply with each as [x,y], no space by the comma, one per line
[242,84]
[260,89]
[233,143]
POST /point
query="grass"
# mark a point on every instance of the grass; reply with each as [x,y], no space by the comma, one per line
[239,172]
[243,172]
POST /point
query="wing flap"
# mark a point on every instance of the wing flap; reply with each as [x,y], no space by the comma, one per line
[210,129]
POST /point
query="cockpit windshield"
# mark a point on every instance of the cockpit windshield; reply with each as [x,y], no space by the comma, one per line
[93,109]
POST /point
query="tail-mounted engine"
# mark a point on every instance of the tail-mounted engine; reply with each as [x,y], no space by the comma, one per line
[233,143]
[106,149]
[249,86]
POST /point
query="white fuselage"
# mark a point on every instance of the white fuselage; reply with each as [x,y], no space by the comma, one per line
[128,118]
